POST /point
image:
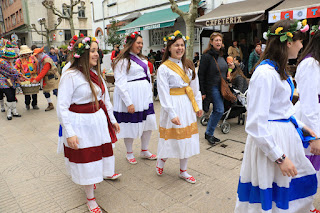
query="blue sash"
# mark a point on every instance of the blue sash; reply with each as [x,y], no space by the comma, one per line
[305,139]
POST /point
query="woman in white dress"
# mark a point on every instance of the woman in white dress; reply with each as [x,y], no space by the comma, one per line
[88,124]
[275,175]
[181,103]
[132,97]
[308,85]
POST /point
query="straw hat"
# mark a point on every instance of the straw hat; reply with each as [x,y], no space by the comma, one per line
[38,50]
[24,49]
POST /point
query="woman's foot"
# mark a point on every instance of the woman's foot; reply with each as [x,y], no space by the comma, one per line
[147,155]
[159,167]
[113,177]
[130,158]
[93,206]
[185,176]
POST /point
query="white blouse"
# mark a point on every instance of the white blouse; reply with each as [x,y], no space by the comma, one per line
[167,79]
[122,76]
[268,99]
[308,86]
[74,89]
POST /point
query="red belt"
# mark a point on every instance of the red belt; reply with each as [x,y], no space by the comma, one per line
[91,108]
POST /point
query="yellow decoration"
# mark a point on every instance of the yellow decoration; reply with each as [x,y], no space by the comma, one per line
[176,33]
[187,37]
[170,38]
[179,133]
[80,45]
[164,39]
[304,22]
[278,30]
[289,34]
[93,39]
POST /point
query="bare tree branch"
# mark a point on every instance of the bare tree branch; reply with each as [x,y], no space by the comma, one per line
[175,9]
[56,25]
[55,10]
[33,26]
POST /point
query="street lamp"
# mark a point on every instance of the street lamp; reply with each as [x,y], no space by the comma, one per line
[41,21]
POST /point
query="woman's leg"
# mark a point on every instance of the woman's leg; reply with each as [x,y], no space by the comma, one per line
[27,99]
[89,190]
[11,103]
[183,171]
[129,142]
[218,110]
[2,101]
[145,139]
[160,165]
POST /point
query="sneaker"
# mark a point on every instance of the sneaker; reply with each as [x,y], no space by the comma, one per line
[35,107]
[28,107]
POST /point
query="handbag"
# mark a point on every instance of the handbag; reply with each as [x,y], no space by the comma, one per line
[225,89]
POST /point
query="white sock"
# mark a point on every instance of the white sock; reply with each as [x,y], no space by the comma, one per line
[49,100]
[161,162]
[128,142]
[183,167]
[145,139]
[89,189]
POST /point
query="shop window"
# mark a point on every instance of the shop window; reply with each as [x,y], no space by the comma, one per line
[81,12]
[84,32]
[156,35]
[67,35]
[66,11]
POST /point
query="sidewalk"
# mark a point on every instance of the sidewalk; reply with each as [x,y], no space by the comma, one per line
[33,177]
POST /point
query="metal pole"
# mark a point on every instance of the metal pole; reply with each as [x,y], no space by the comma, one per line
[41,36]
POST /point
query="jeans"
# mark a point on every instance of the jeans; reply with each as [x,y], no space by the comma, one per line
[27,99]
[47,94]
[217,112]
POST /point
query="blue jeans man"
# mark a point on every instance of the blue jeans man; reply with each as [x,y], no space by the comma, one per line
[217,112]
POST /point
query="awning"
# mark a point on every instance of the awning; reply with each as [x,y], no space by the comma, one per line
[238,12]
[295,9]
[153,20]
[131,16]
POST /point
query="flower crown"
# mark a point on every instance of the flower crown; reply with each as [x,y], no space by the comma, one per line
[84,45]
[314,29]
[287,36]
[176,34]
[74,40]
[132,35]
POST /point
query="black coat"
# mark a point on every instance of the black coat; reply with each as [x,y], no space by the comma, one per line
[209,75]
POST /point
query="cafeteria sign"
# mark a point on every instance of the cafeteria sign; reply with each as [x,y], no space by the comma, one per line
[224,21]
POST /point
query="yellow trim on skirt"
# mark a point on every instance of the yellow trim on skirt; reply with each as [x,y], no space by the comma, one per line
[179,133]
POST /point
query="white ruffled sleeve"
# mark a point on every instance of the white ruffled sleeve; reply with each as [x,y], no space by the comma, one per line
[108,104]
[308,84]
[164,91]
[262,82]
[120,76]
[194,84]
[66,89]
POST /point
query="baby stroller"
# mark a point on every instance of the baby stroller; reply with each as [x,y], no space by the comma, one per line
[232,110]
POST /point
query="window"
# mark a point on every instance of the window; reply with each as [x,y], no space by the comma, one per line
[156,35]
[84,32]
[67,35]
[66,11]
[10,2]
[17,17]
[13,19]
[81,12]
[20,14]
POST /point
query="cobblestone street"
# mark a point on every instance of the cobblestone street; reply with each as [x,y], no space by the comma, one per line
[33,177]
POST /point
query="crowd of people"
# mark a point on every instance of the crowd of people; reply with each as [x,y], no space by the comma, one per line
[281,158]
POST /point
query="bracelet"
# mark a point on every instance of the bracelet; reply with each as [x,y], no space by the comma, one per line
[281,159]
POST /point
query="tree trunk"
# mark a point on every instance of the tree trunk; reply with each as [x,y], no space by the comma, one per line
[190,33]
[71,25]
[48,41]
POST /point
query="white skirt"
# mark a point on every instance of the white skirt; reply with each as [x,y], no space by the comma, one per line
[94,159]
[263,188]
[144,119]
[179,141]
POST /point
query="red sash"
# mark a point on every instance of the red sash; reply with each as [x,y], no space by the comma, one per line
[91,107]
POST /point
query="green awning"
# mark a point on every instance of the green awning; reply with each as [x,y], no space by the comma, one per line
[153,20]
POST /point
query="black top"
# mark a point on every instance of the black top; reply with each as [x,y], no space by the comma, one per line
[209,75]
[240,83]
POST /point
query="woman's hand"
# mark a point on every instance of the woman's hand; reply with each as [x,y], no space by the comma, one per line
[176,121]
[199,113]
[287,168]
[315,147]
[309,131]
[73,142]
[34,82]
[131,109]
[203,97]
[116,127]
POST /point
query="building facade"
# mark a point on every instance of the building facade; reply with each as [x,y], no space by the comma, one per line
[18,15]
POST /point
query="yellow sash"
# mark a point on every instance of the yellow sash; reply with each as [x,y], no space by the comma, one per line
[185,90]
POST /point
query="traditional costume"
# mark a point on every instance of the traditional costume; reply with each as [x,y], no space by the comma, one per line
[134,87]
[273,131]
[78,116]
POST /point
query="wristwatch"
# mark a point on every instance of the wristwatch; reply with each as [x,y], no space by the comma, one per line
[281,159]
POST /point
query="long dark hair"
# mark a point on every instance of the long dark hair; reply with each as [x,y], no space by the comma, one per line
[186,63]
[125,52]
[313,48]
[83,65]
[276,50]
[237,72]
[212,37]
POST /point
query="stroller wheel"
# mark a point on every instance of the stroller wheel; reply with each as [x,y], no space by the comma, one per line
[204,120]
[225,127]
[239,119]
[243,119]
